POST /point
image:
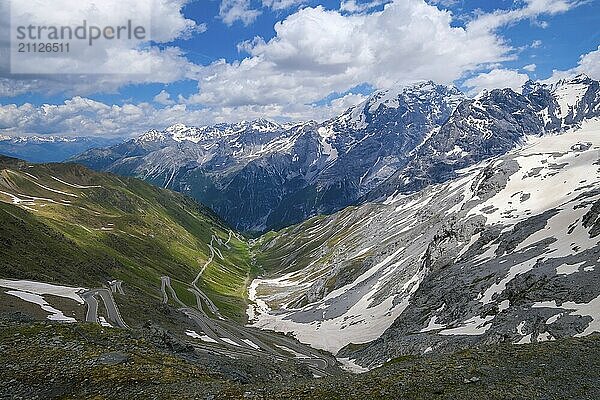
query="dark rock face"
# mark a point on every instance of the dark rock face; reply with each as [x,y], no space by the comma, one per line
[261,175]
[112,358]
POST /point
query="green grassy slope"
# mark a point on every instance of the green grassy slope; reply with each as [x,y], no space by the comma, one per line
[312,242]
[66,224]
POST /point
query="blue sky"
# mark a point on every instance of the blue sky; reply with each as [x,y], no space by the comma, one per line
[307,59]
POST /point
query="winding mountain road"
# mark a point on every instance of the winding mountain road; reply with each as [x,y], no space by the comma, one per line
[90,297]
[116,286]
[231,338]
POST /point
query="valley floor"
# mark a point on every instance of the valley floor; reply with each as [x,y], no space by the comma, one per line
[53,360]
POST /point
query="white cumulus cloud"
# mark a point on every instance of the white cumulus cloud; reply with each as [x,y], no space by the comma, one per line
[231,11]
[496,79]
[588,64]
[80,116]
[164,98]
[317,52]
[112,63]
[352,6]
[281,4]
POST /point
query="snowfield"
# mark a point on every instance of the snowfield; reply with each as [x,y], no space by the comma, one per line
[44,288]
[33,292]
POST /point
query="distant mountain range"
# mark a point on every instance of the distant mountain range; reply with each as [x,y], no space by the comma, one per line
[50,148]
[262,175]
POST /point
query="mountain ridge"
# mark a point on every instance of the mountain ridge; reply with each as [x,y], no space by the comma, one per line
[261,175]
[505,252]
[308,168]
[50,148]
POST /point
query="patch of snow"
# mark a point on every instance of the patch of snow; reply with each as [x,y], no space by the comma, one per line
[44,288]
[195,335]
[251,344]
[567,96]
[457,151]
[520,328]
[55,315]
[227,340]
[554,318]
[591,309]
[433,325]
[472,327]
[544,337]
[504,305]
[388,98]
[568,269]
[351,366]
[362,252]
[361,323]
[192,333]
[550,187]
[525,339]
[208,339]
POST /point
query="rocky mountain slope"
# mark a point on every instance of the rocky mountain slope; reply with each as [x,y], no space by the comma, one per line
[505,252]
[85,361]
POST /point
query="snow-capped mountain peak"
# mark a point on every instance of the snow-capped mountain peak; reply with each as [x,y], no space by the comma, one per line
[176,128]
[531,86]
[264,125]
[153,135]
[569,93]
[181,132]
[401,100]
[421,91]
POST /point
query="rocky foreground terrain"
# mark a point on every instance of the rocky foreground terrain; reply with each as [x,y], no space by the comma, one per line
[45,360]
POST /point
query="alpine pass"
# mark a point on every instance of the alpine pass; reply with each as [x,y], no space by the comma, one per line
[300,199]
